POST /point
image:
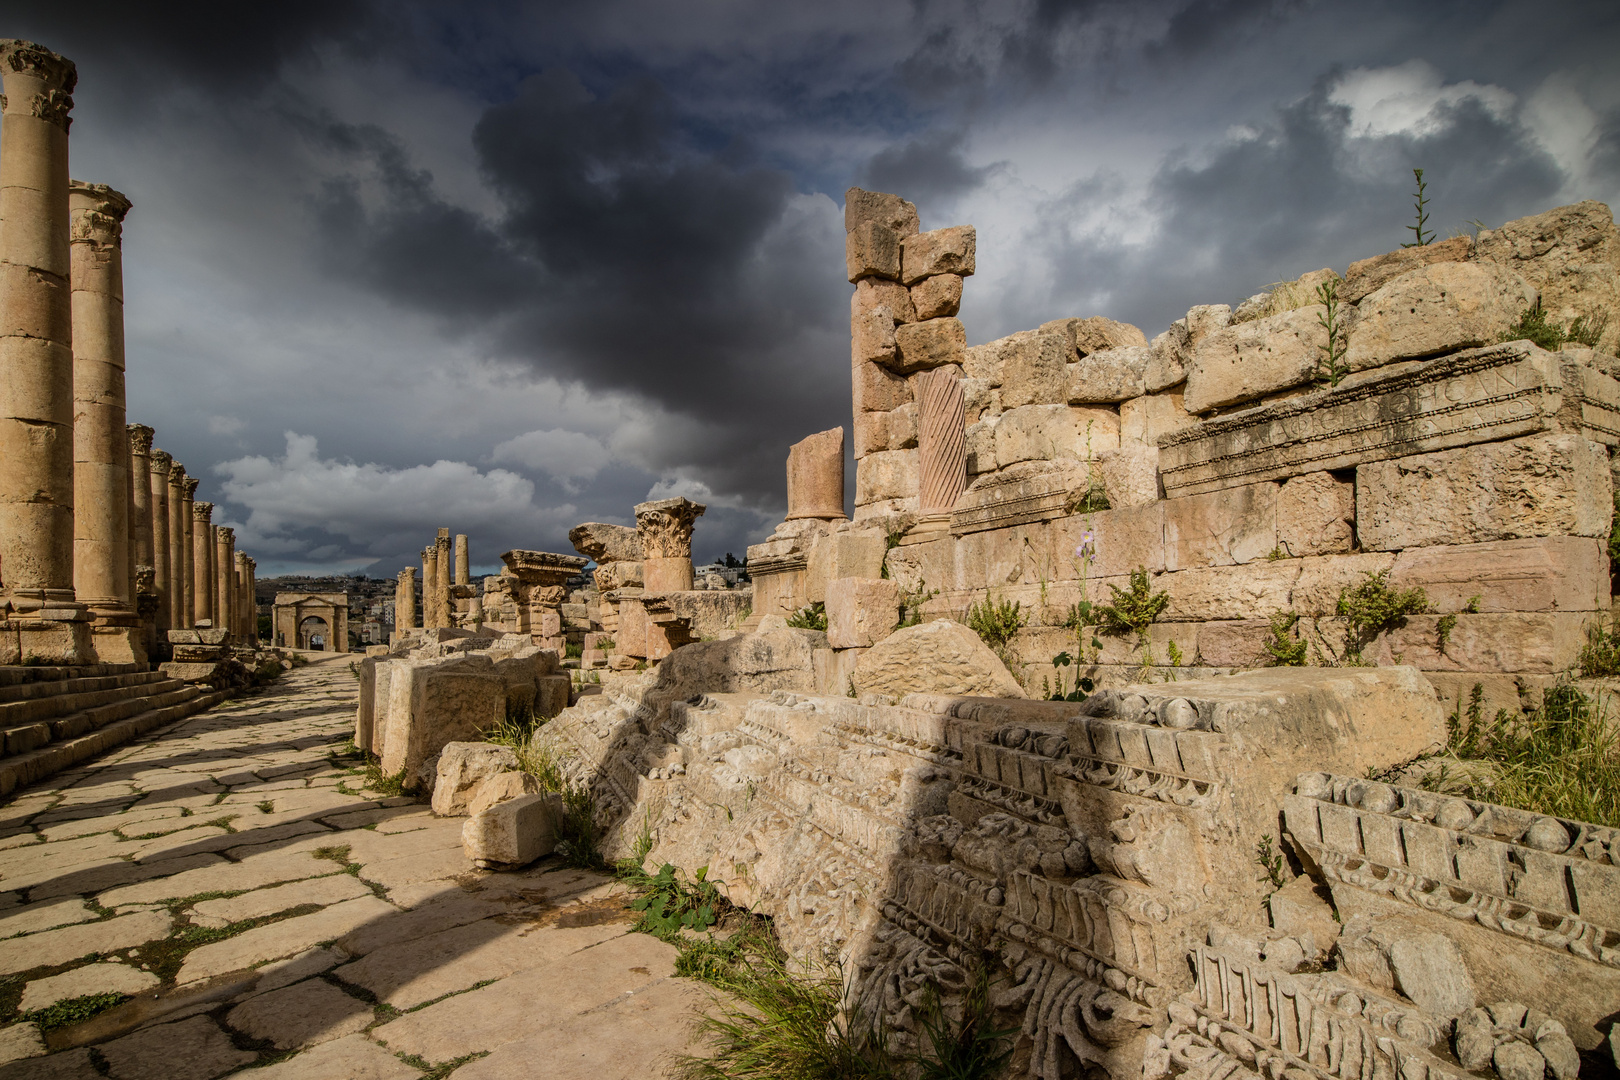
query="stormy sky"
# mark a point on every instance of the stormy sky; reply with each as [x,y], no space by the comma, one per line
[510,267]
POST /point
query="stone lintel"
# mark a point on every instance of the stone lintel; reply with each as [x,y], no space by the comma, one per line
[1042,491]
[542,567]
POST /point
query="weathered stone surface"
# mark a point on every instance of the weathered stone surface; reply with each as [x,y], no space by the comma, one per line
[815,476]
[941,657]
[1535,641]
[513,833]
[1229,592]
[281,938]
[1365,275]
[501,788]
[1284,296]
[872,249]
[1396,954]
[1435,309]
[433,702]
[990,360]
[1554,573]
[1146,418]
[941,251]
[606,543]
[1237,525]
[937,297]
[1570,254]
[861,611]
[871,339]
[890,474]
[1172,350]
[1545,485]
[890,211]
[1022,493]
[1315,514]
[277,898]
[781,659]
[941,441]
[105,978]
[1130,475]
[19,1041]
[874,294]
[1033,370]
[301,1015]
[1108,375]
[54,947]
[848,553]
[1234,643]
[1052,432]
[877,389]
[979,447]
[353,1057]
[921,346]
[193,1049]
[67,1065]
[899,427]
[1086,336]
[463,766]
[1250,360]
[45,915]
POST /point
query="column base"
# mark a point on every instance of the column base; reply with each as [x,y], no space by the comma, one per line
[33,639]
[931,527]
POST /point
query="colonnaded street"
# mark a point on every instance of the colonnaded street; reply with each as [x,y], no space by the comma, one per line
[269,916]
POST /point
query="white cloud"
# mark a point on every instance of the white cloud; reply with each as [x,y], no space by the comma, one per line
[566,456]
[1404,99]
[226,425]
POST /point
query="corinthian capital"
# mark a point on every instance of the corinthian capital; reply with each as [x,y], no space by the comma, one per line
[53,76]
[140,440]
[97,213]
[202,511]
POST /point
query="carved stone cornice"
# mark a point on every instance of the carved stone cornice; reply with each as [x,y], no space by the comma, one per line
[542,567]
[57,74]
[140,440]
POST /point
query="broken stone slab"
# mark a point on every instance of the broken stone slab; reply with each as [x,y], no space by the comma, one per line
[890,211]
[1284,296]
[1108,375]
[1366,275]
[433,702]
[1087,336]
[1480,395]
[783,658]
[1034,370]
[194,1049]
[303,1014]
[861,611]
[513,833]
[942,657]
[351,1056]
[1172,350]
[20,1041]
[104,978]
[1439,308]
[500,788]
[1027,492]
[604,543]
[1395,954]
[872,249]
[941,251]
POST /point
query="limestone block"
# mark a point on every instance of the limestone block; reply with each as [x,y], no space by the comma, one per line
[500,788]
[1285,296]
[986,361]
[1570,254]
[1086,336]
[1119,541]
[1033,371]
[1301,908]
[1053,432]
[630,639]
[900,428]
[1323,578]
[1130,475]
[1314,515]
[922,346]
[1365,275]
[937,296]
[433,702]
[777,659]
[1234,643]
[1538,641]
[1554,573]
[513,833]
[1172,350]
[871,338]
[980,399]
[1543,485]
[875,294]
[861,611]
[1435,309]
[847,554]
[1236,525]
[1250,360]
[1145,418]
[941,657]
[941,251]
[872,249]
[871,433]
[981,446]
[1109,375]
[877,389]
[891,474]
[1229,592]
[890,211]
[463,766]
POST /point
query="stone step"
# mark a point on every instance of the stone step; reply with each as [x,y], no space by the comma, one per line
[78,683]
[31,710]
[25,737]
[19,674]
[36,765]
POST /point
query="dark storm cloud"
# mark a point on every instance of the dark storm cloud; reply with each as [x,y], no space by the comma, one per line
[931,168]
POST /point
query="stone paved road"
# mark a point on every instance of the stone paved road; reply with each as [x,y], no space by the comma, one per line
[268,917]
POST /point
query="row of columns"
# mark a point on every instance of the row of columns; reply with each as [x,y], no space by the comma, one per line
[85,501]
[442,569]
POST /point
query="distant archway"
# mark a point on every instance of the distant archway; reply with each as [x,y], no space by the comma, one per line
[317,621]
[314,633]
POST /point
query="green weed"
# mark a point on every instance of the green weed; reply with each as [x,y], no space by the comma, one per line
[1270,862]
[1134,608]
[813,617]
[1285,649]
[1421,238]
[969,1048]
[74,1010]
[1330,365]
[1371,608]
[995,621]
[669,904]
[1599,658]
[912,601]
[1535,327]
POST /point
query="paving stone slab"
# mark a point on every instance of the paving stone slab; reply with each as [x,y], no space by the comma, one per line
[18,1041]
[440,865]
[194,1049]
[99,878]
[306,1013]
[279,973]
[353,1057]
[68,1065]
[219,875]
[456,908]
[104,978]
[278,898]
[53,947]
[282,938]
[45,915]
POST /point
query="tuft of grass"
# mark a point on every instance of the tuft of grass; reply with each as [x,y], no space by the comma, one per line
[1270,862]
[968,1047]
[813,617]
[382,784]
[1534,326]
[995,621]
[1371,608]
[1599,658]
[912,601]
[74,1010]
[1285,648]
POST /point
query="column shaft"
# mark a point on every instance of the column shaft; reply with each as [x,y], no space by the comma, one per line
[223,573]
[463,562]
[429,557]
[202,559]
[161,465]
[179,617]
[140,504]
[188,579]
[405,600]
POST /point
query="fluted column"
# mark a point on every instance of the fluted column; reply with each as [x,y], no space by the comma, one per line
[36,329]
[100,439]
[941,442]
[140,503]
[225,580]
[161,465]
[405,600]
[202,561]
[179,615]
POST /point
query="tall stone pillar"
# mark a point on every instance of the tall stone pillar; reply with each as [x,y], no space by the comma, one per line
[188,549]
[101,564]
[815,477]
[463,562]
[244,607]
[441,583]
[140,503]
[941,442]
[36,336]
[251,598]
[161,465]
[405,600]
[224,574]
[665,528]
[179,614]
[430,555]
[202,561]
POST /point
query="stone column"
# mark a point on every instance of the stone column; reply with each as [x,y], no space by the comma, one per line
[444,569]
[188,549]
[463,563]
[179,614]
[815,477]
[665,528]
[405,600]
[253,601]
[202,560]
[140,504]
[244,605]
[224,572]
[161,465]
[429,556]
[941,442]
[100,437]
[36,330]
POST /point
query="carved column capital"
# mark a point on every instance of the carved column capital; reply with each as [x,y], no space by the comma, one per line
[202,511]
[54,75]
[97,213]
[177,475]
[225,534]
[162,462]
[666,525]
[189,485]
[140,440]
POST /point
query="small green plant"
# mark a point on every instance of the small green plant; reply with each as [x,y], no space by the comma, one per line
[1082,686]
[1472,607]
[1535,327]
[1174,652]
[1134,608]
[1270,862]
[1443,630]
[74,1010]
[669,904]
[1614,537]
[1371,608]
[912,601]
[891,540]
[1599,658]
[1275,554]
[813,617]
[382,784]
[969,1048]
[1330,366]
[995,621]
[1586,331]
[1285,649]
[1420,238]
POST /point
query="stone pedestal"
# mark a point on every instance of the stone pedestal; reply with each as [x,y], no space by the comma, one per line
[815,477]
[202,559]
[665,529]
[405,600]
[161,464]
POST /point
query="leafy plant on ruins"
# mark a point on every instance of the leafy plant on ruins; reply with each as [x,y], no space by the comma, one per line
[995,621]
[912,601]
[1174,651]
[1587,332]
[74,1010]
[1270,862]
[1134,608]
[668,903]
[1083,686]
[1330,366]
[1535,327]
[813,617]
[1372,608]
[1285,649]
[1443,630]
[1562,759]
[1420,237]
